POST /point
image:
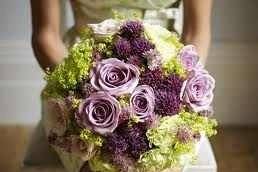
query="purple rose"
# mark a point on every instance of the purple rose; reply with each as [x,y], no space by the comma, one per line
[197,91]
[114,76]
[142,102]
[99,112]
[189,57]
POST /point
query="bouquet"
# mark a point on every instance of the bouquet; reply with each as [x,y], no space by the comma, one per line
[129,97]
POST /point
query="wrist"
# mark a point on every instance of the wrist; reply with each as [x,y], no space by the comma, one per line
[201,41]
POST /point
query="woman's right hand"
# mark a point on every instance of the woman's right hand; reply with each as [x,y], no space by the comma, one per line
[46,38]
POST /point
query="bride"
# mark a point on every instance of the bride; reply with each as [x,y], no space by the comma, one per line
[50,48]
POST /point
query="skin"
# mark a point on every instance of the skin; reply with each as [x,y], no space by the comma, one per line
[49,49]
[196,25]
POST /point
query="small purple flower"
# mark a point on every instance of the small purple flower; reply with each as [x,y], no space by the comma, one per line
[115,77]
[99,112]
[123,48]
[189,57]
[135,60]
[197,91]
[166,89]
[184,135]
[131,29]
[142,102]
[153,58]
[116,143]
[141,46]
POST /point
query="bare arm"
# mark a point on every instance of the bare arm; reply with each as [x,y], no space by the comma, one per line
[197,29]
[46,40]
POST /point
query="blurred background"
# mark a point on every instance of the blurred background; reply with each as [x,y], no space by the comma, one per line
[233,61]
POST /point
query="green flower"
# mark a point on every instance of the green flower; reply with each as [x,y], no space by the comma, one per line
[167,43]
[73,70]
[87,136]
[169,151]
[174,66]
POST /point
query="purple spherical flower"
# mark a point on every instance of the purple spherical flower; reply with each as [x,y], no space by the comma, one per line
[189,57]
[137,139]
[135,60]
[141,46]
[166,89]
[114,76]
[122,48]
[99,112]
[116,143]
[131,29]
[197,91]
[167,102]
[142,102]
[128,140]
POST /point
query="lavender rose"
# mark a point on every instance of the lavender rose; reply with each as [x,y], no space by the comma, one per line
[189,57]
[99,112]
[197,91]
[114,76]
[142,102]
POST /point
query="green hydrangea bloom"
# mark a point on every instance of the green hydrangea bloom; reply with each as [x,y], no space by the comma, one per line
[169,151]
[86,33]
[167,43]
[74,69]
[174,66]
[199,123]
[87,136]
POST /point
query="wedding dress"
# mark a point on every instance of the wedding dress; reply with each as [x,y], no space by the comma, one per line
[162,12]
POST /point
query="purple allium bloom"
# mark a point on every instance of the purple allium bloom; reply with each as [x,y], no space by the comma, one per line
[138,140]
[116,143]
[166,89]
[131,29]
[167,102]
[135,60]
[132,138]
[153,59]
[123,48]
[184,135]
[141,46]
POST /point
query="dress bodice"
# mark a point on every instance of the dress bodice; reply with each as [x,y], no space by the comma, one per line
[95,11]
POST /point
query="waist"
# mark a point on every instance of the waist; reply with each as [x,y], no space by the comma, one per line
[162,17]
